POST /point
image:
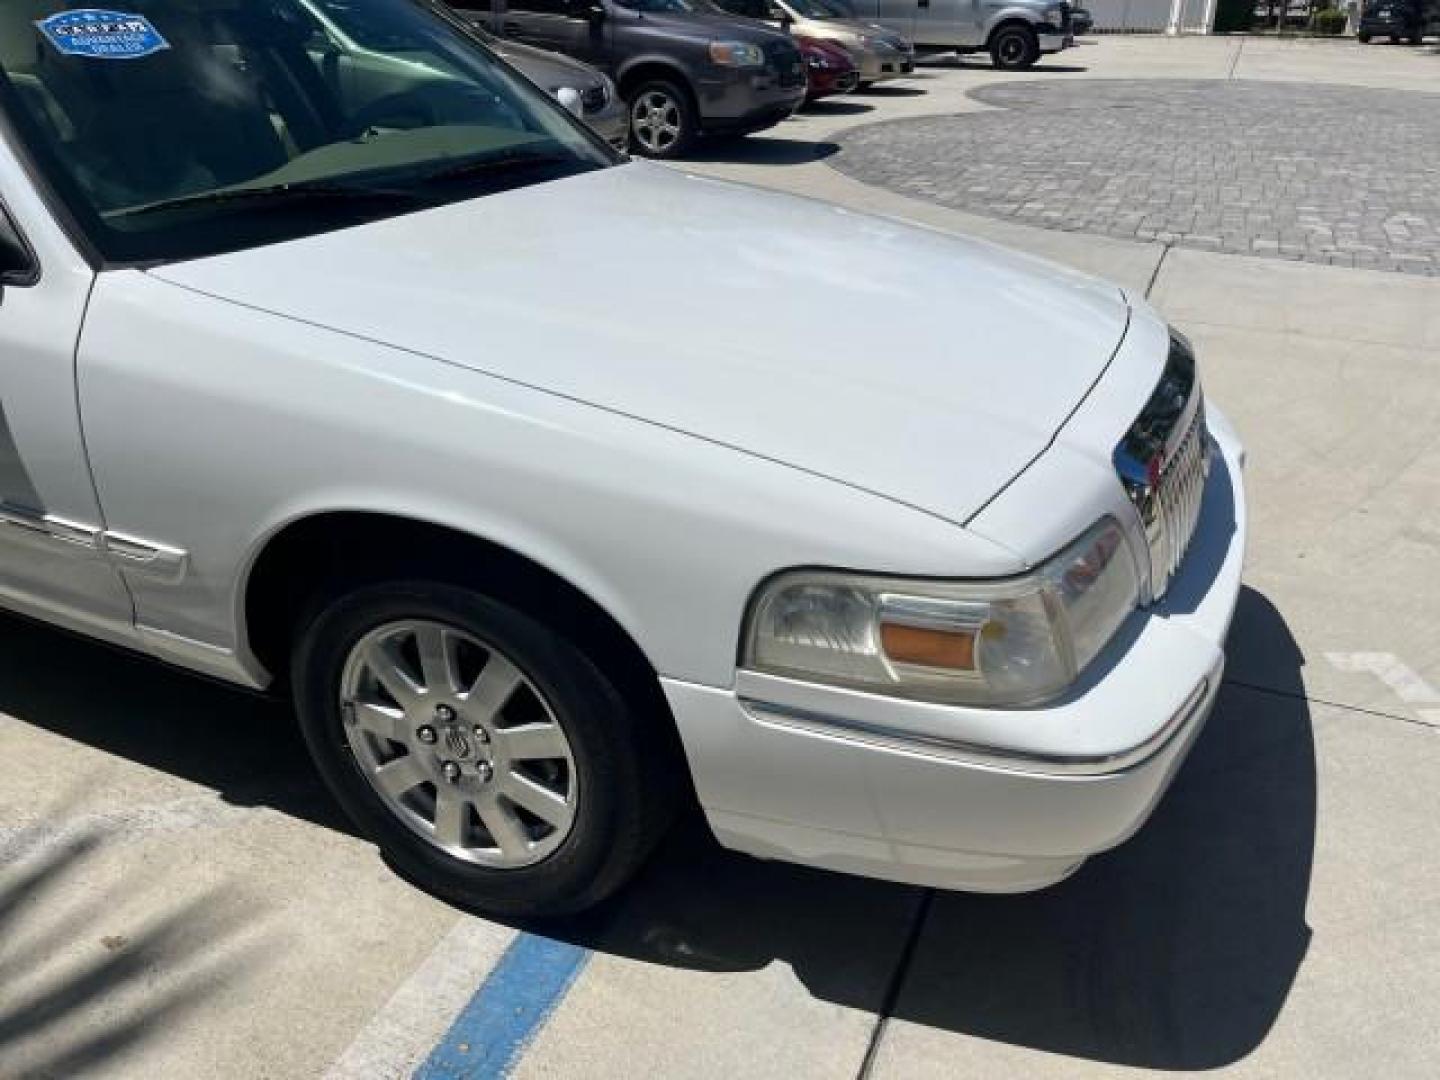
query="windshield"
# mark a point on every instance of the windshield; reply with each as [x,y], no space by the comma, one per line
[187,127]
[670,7]
[822,9]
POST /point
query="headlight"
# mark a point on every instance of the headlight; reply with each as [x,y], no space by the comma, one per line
[736,54]
[1055,17]
[1011,642]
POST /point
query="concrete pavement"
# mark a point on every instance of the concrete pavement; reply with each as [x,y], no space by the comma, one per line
[178,898]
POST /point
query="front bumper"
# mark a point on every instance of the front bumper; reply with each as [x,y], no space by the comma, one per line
[870,785]
[1053,40]
[877,65]
[611,122]
[742,99]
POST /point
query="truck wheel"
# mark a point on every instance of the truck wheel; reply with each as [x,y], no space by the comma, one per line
[1014,48]
[662,120]
[491,760]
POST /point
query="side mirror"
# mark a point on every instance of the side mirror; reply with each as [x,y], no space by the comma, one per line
[569,97]
[18,265]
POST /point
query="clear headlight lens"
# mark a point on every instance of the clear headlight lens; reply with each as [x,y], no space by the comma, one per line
[736,54]
[1012,642]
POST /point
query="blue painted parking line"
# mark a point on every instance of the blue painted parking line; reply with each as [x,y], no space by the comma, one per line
[507,1012]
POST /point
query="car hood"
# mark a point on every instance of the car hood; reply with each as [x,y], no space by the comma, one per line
[711,26]
[546,69]
[919,366]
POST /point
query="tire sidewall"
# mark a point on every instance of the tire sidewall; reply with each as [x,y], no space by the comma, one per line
[594,720]
[1031,53]
[689,120]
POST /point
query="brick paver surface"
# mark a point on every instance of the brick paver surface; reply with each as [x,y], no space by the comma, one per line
[1327,174]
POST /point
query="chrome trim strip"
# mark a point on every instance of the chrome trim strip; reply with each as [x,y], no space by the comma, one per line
[46,530]
[785,716]
[146,557]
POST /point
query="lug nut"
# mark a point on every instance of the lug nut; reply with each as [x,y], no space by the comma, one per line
[444,713]
[426,735]
[451,771]
[485,771]
[481,735]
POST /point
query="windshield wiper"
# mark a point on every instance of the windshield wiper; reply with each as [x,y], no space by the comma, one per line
[279,194]
[498,163]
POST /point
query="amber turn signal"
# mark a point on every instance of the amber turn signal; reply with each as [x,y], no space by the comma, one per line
[926,647]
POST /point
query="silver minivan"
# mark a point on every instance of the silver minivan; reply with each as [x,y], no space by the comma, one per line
[1014,32]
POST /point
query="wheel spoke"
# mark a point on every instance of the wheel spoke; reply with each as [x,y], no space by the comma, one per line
[384,664]
[397,777]
[504,827]
[450,817]
[540,801]
[378,720]
[498,680]
[437,664]
[532,742]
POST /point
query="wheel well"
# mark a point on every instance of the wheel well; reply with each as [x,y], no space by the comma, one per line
[633,78]
[315,559]
[1006,24]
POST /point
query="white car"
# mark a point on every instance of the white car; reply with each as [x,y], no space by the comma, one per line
[403,392]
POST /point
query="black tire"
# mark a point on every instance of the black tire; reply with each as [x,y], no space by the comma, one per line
[657,97]
[1363,37]
[1415,39]
[864,85]
[1014,47]
[625,781]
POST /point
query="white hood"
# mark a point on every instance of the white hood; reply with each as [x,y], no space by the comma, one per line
[899,360]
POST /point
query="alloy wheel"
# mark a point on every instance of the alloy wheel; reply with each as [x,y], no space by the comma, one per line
[458,744]
[656,120]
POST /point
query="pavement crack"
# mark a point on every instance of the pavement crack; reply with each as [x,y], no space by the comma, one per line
[1292,695]
[1235,60]
[897,980]
[1159,264]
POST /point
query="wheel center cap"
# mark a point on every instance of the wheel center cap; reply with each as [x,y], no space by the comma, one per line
[458,742]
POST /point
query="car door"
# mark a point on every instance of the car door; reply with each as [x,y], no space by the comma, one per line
[944,22]
[572,27]
[53,556]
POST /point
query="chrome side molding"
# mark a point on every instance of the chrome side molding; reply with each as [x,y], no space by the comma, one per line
[38,529]
[129,553]
[138,556]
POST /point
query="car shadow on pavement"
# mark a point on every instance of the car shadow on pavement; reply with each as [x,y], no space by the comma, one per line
[1175,951]
[765,150]
[244,747]
[836,107]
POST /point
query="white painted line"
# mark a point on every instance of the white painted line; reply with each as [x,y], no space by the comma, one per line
[1408,686]
[406,1028]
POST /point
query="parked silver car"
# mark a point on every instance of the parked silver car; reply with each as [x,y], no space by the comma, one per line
[879,53]
[1014,32]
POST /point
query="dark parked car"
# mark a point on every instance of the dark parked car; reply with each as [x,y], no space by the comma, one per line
[682,66]
[600,104]
[1398,20]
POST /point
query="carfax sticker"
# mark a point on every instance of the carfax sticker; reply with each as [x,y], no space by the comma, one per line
[102,35]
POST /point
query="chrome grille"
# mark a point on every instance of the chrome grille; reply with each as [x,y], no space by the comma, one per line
[1164,461]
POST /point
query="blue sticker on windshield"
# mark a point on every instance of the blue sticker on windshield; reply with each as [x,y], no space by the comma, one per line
[102,35]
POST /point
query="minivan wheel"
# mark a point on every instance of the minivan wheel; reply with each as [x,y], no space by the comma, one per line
[489,758]
[1014,48]
[662,120]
